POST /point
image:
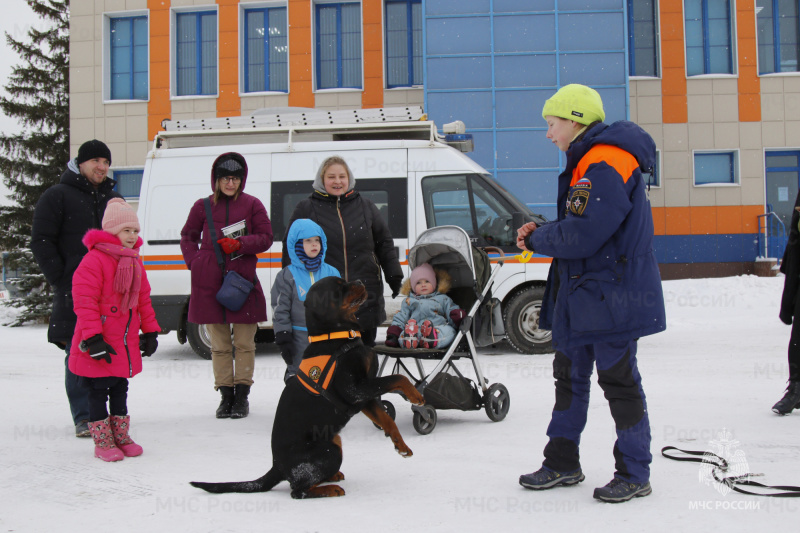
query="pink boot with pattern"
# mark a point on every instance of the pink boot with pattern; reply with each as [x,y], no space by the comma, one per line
[120,426]
[104,446]
[429,337]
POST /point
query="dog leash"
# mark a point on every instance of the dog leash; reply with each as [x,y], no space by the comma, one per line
[720,466]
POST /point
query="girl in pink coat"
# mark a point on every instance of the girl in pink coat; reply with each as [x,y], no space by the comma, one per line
[111,296]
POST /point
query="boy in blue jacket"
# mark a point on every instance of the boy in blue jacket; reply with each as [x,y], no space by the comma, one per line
[603,290]
[307,246]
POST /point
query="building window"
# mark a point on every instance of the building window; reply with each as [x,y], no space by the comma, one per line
[778,36]
[715,168]
[403,43]
[653,179]
[266,50]
[643,38]
[338,45]
[128,58]
[709,42]
[129,182]
[196,53]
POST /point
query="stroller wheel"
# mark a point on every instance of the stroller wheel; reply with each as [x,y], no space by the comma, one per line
[389,408]
[497,402]
[424,419]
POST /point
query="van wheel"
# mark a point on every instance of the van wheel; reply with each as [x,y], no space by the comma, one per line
[198,338]
[521,318]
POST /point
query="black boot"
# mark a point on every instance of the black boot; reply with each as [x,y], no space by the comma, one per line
[241,407]
[790,400]
[224,409]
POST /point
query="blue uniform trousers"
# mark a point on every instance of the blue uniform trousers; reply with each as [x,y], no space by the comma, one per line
[618,376]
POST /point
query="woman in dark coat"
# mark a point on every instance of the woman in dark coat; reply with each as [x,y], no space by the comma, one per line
[359,241]
[229,205]
[790,311]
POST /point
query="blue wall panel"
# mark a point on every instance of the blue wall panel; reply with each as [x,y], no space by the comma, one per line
[462,35]
[460,72]
[505,6]
[524,33]
[493,63]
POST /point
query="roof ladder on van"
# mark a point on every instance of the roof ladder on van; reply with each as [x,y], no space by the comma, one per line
[292,125]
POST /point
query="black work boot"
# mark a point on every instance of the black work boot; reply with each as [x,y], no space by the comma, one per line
[790,400]
[224,409]
[241,407]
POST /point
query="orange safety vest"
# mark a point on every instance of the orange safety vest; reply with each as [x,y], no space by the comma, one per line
[316,369]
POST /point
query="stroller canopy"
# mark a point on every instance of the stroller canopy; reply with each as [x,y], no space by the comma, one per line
[450,248]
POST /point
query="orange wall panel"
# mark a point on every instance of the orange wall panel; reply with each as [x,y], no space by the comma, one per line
[301,91]
[228,102]
[674,108]
[678,220]
[747,47]
[159,106]
[373,53]
[703,220]
[729,219]
[659,220]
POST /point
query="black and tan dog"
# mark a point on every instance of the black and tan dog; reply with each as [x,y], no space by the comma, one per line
[338,382]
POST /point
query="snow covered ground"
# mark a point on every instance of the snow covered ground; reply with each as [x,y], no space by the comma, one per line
[711,379]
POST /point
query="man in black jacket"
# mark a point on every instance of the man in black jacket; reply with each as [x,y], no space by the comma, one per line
[63,215]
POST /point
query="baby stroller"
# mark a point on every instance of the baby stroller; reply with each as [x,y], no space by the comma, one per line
[445,387]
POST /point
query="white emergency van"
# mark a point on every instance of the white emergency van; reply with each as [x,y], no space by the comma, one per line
[417,178]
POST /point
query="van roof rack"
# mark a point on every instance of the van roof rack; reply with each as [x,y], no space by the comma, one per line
[390,123]
[306,117]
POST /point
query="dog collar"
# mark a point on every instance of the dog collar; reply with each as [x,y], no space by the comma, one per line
[351,334]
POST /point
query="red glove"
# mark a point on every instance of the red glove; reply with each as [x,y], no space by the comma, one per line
[392,336]
[229,245]
[457,315]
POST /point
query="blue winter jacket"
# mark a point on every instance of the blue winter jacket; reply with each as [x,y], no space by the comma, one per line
[604,284]
[292,284]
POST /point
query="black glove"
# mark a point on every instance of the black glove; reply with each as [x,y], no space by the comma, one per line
[395,282]
[98,348]
[148,343]
[393,336]
[284,341]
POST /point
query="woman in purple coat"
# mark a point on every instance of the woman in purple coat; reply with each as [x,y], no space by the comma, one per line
[229,205]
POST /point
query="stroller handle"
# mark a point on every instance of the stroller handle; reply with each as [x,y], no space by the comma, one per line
[494,249]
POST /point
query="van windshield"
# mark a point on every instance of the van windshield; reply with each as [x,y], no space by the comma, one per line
[476,203]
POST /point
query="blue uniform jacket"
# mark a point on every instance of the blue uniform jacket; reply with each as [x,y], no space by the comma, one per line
[604,284]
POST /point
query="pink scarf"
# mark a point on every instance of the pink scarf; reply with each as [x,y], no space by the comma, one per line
[128,279]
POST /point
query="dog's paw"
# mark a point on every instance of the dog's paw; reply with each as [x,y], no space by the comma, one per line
[416,398]
[404,451]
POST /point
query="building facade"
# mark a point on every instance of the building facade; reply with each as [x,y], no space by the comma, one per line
[715,82]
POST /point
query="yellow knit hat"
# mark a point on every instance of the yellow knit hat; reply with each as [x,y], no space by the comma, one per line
[575,102]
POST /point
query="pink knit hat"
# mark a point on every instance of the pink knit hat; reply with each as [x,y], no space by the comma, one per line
[118,216]
[423,271]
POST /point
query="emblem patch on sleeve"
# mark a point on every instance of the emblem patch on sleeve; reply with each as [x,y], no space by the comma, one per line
[578,201]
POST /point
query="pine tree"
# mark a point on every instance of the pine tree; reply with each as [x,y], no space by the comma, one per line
[32,161]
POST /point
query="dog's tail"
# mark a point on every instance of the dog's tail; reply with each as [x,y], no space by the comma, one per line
[262,484]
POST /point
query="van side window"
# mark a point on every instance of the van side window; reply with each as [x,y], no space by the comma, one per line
[389,195]
[467,201]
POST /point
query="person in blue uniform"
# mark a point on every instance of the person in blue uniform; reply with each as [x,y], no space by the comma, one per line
[603,290]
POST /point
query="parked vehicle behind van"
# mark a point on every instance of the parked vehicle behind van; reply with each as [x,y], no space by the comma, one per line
[416,178]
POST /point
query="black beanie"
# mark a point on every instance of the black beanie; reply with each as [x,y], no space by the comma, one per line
[228,166]
[92,149]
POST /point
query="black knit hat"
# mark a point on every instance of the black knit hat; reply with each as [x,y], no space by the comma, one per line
[92,149]
[228,166]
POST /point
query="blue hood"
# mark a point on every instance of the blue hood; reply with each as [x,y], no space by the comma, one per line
[625,135]
[304,228]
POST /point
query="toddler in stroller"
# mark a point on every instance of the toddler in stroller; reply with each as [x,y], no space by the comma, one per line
[428,318]
[474,318]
